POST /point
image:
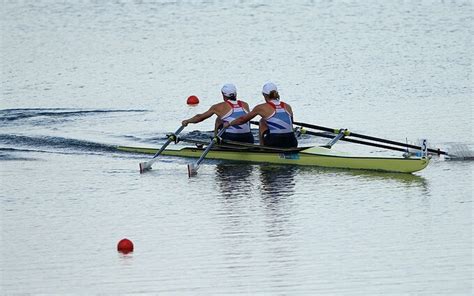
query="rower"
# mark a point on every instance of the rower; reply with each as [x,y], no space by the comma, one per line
[228,110]
[276,125]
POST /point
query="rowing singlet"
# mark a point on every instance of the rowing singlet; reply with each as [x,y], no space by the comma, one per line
[280,121]
[236,111]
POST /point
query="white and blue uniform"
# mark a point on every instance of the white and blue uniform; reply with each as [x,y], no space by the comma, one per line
[280,121]
[241,132]
[280,127]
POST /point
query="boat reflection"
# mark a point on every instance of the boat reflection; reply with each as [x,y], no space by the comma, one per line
[277,181]
[401,178]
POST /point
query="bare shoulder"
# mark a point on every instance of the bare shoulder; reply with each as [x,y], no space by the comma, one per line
[218,106]
[245,104]
[220,109]
[288,107]
[261,106]
[263,110]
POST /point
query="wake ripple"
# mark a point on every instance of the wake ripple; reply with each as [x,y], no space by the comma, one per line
[40,143]
[9,115]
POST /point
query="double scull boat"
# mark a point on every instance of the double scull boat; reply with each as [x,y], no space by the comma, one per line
[305,156]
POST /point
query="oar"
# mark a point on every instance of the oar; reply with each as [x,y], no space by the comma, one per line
[353,141]
[341,138]
[193,167]
[144,166]
[327,129]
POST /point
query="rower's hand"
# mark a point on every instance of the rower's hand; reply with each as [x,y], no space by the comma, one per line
[226,124]
[185,122]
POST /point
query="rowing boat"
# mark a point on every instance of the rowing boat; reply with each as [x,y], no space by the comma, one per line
[305,156]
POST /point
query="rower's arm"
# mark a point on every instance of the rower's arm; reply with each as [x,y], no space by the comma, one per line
[200,117]
[247,117]
[288,108]
[246,107]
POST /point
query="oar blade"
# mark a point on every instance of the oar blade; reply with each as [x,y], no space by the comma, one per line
[460,152]
[192,169]
[145,166]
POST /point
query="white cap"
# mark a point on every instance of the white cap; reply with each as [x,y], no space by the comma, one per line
[229,90]
[268,87]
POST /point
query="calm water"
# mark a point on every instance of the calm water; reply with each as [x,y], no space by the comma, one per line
[80,78]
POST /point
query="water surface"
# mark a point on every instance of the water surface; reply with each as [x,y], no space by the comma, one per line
[79,78]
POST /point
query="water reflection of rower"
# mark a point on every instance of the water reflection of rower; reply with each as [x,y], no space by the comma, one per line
[234,179]
[277,181]
[277,200]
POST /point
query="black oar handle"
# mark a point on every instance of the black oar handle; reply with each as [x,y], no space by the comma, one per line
[327,129]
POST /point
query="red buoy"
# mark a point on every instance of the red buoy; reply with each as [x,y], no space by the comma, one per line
[192,100]
[125,246]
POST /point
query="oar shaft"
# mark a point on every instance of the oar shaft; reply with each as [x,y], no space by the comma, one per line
[209,147]
[335,139]
[203,155]
[318,127]
[437,151]
[147,165]
[170,139]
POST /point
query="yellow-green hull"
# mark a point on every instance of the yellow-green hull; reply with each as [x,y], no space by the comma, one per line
[313,156]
